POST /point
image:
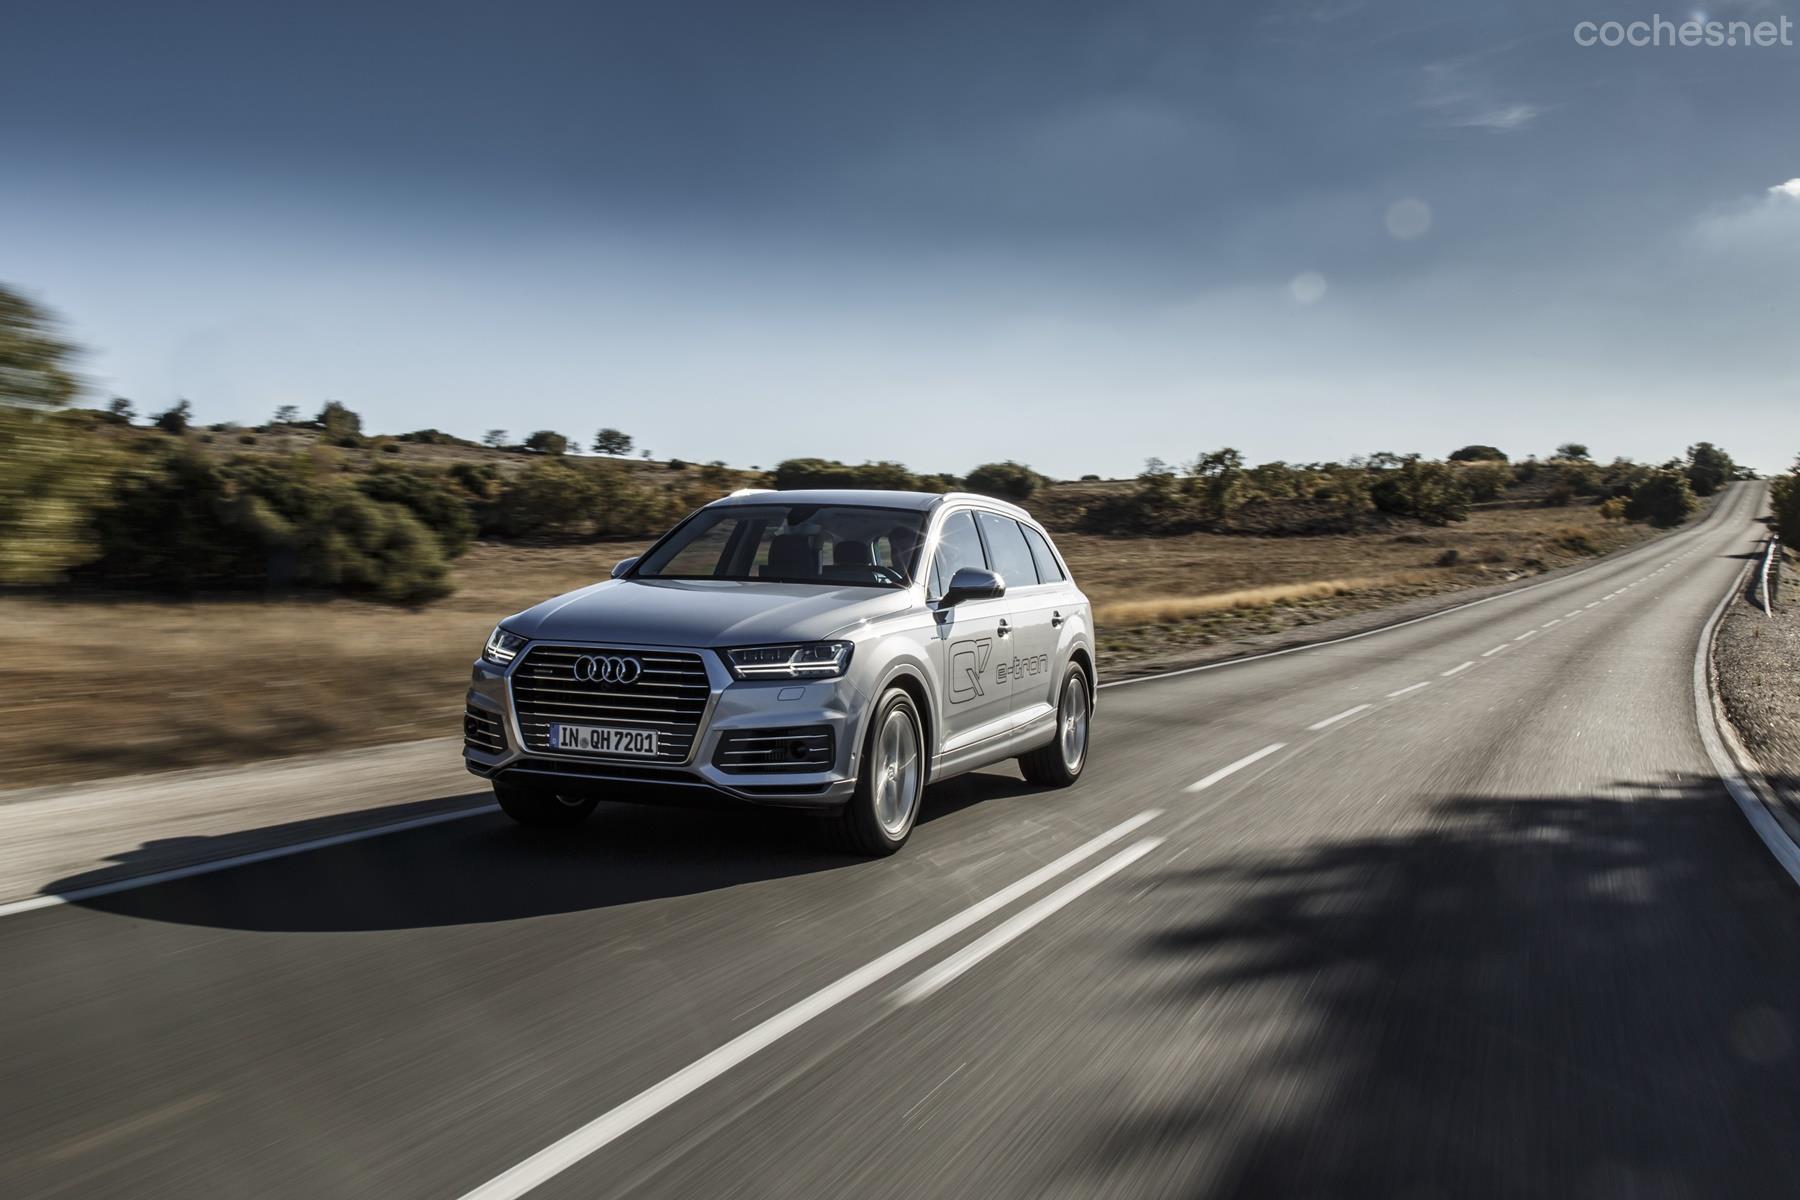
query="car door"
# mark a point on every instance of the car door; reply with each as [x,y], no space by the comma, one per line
[1027,659]
[971,640]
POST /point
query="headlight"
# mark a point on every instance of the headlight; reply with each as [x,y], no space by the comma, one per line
[502,647]
[793,660]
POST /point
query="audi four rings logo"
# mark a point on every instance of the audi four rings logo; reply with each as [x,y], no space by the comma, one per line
[607,668]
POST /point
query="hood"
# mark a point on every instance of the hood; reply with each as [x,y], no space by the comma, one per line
[704,612]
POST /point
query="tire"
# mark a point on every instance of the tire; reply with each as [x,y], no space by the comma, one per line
[1059,764]
[541,809]
[879,817]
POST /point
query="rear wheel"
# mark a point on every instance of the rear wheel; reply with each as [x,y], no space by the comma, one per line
[539,807]
[879,817]
[1059,764]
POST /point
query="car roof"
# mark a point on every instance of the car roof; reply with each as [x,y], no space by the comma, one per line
[867,497]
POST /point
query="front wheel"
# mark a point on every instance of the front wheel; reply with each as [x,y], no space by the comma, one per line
[1059,764]
[537,807]
[879,817]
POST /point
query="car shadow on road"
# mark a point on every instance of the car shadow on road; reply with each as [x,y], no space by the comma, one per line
[1591,995]
[483,868]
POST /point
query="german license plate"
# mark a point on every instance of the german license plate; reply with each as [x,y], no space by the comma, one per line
[604,739]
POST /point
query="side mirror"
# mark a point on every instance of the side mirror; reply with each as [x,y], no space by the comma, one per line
[622,566]
[972,583]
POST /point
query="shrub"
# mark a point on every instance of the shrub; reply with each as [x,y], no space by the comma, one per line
[547,441]
[1007,481]
[1470,454]
[549,500]
[246,439]
[1432,492]
[433,499]
[1486,480]
[1784,496]
[1560,495]
[1708,468]
[51,474]
[174,419]
[829,473]
[341,426]
[1449,558]
[182,522]
[1664,499]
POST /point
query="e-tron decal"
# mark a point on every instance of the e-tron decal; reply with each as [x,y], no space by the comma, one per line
[968,660]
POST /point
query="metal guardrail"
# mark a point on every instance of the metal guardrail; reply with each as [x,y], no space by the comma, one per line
[1769,581]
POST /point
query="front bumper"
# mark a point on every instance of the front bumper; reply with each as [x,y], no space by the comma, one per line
[733,706]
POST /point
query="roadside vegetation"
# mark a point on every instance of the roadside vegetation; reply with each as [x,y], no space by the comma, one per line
[306,583]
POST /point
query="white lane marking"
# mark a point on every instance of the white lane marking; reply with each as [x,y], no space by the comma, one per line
[1456,670]
[1526,634]
[1200,785]
[77,895]
[1595,604]
[1552,621]
[1415,687]
[1330,721]
[565,1152]
[934,978]
[1494,651]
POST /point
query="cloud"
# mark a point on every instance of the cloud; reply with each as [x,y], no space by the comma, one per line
[1462,95]
[1790,189]
[1504,118]
[1755,225]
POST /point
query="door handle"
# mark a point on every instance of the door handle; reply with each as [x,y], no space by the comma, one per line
[1056,619]
[1004,628]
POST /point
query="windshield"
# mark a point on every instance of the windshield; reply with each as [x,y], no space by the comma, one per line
[832,544]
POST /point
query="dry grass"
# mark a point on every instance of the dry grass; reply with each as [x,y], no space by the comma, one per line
[1162,610]
[103,687]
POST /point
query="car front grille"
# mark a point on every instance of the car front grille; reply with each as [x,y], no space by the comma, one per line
[481,731]
[669,696]
[761,751]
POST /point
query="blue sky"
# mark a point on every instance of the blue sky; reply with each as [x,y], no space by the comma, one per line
[1073,235]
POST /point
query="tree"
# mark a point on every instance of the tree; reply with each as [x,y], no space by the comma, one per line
[120,412]
[341,426]
[547,441]
[1784,496]
[1708,468]
[1664,499]
[611,441]
[1215,481]
[1478,454]
[287,414]
[174,420]
[1008,480]
[34,361]
[494,439]
[1574,450]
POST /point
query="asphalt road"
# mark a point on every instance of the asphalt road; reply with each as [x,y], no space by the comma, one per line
[1504,933]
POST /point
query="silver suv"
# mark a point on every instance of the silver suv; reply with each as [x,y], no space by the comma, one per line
[829,650]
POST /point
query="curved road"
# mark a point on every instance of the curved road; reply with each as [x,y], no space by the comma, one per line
[1458,908]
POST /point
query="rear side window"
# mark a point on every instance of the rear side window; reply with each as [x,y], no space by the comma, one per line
[1048,569]
[1007,549]
[959,546]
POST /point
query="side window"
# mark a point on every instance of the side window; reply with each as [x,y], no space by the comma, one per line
[1007,550]
[958,546]
[1048,569]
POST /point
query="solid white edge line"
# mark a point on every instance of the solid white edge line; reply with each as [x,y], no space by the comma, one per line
[1328,722]
[1200,785]
[566,1151]
[1353,637]
[77,895]
[1415,687]
[1456,670]
[1706,714]
[933,978]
